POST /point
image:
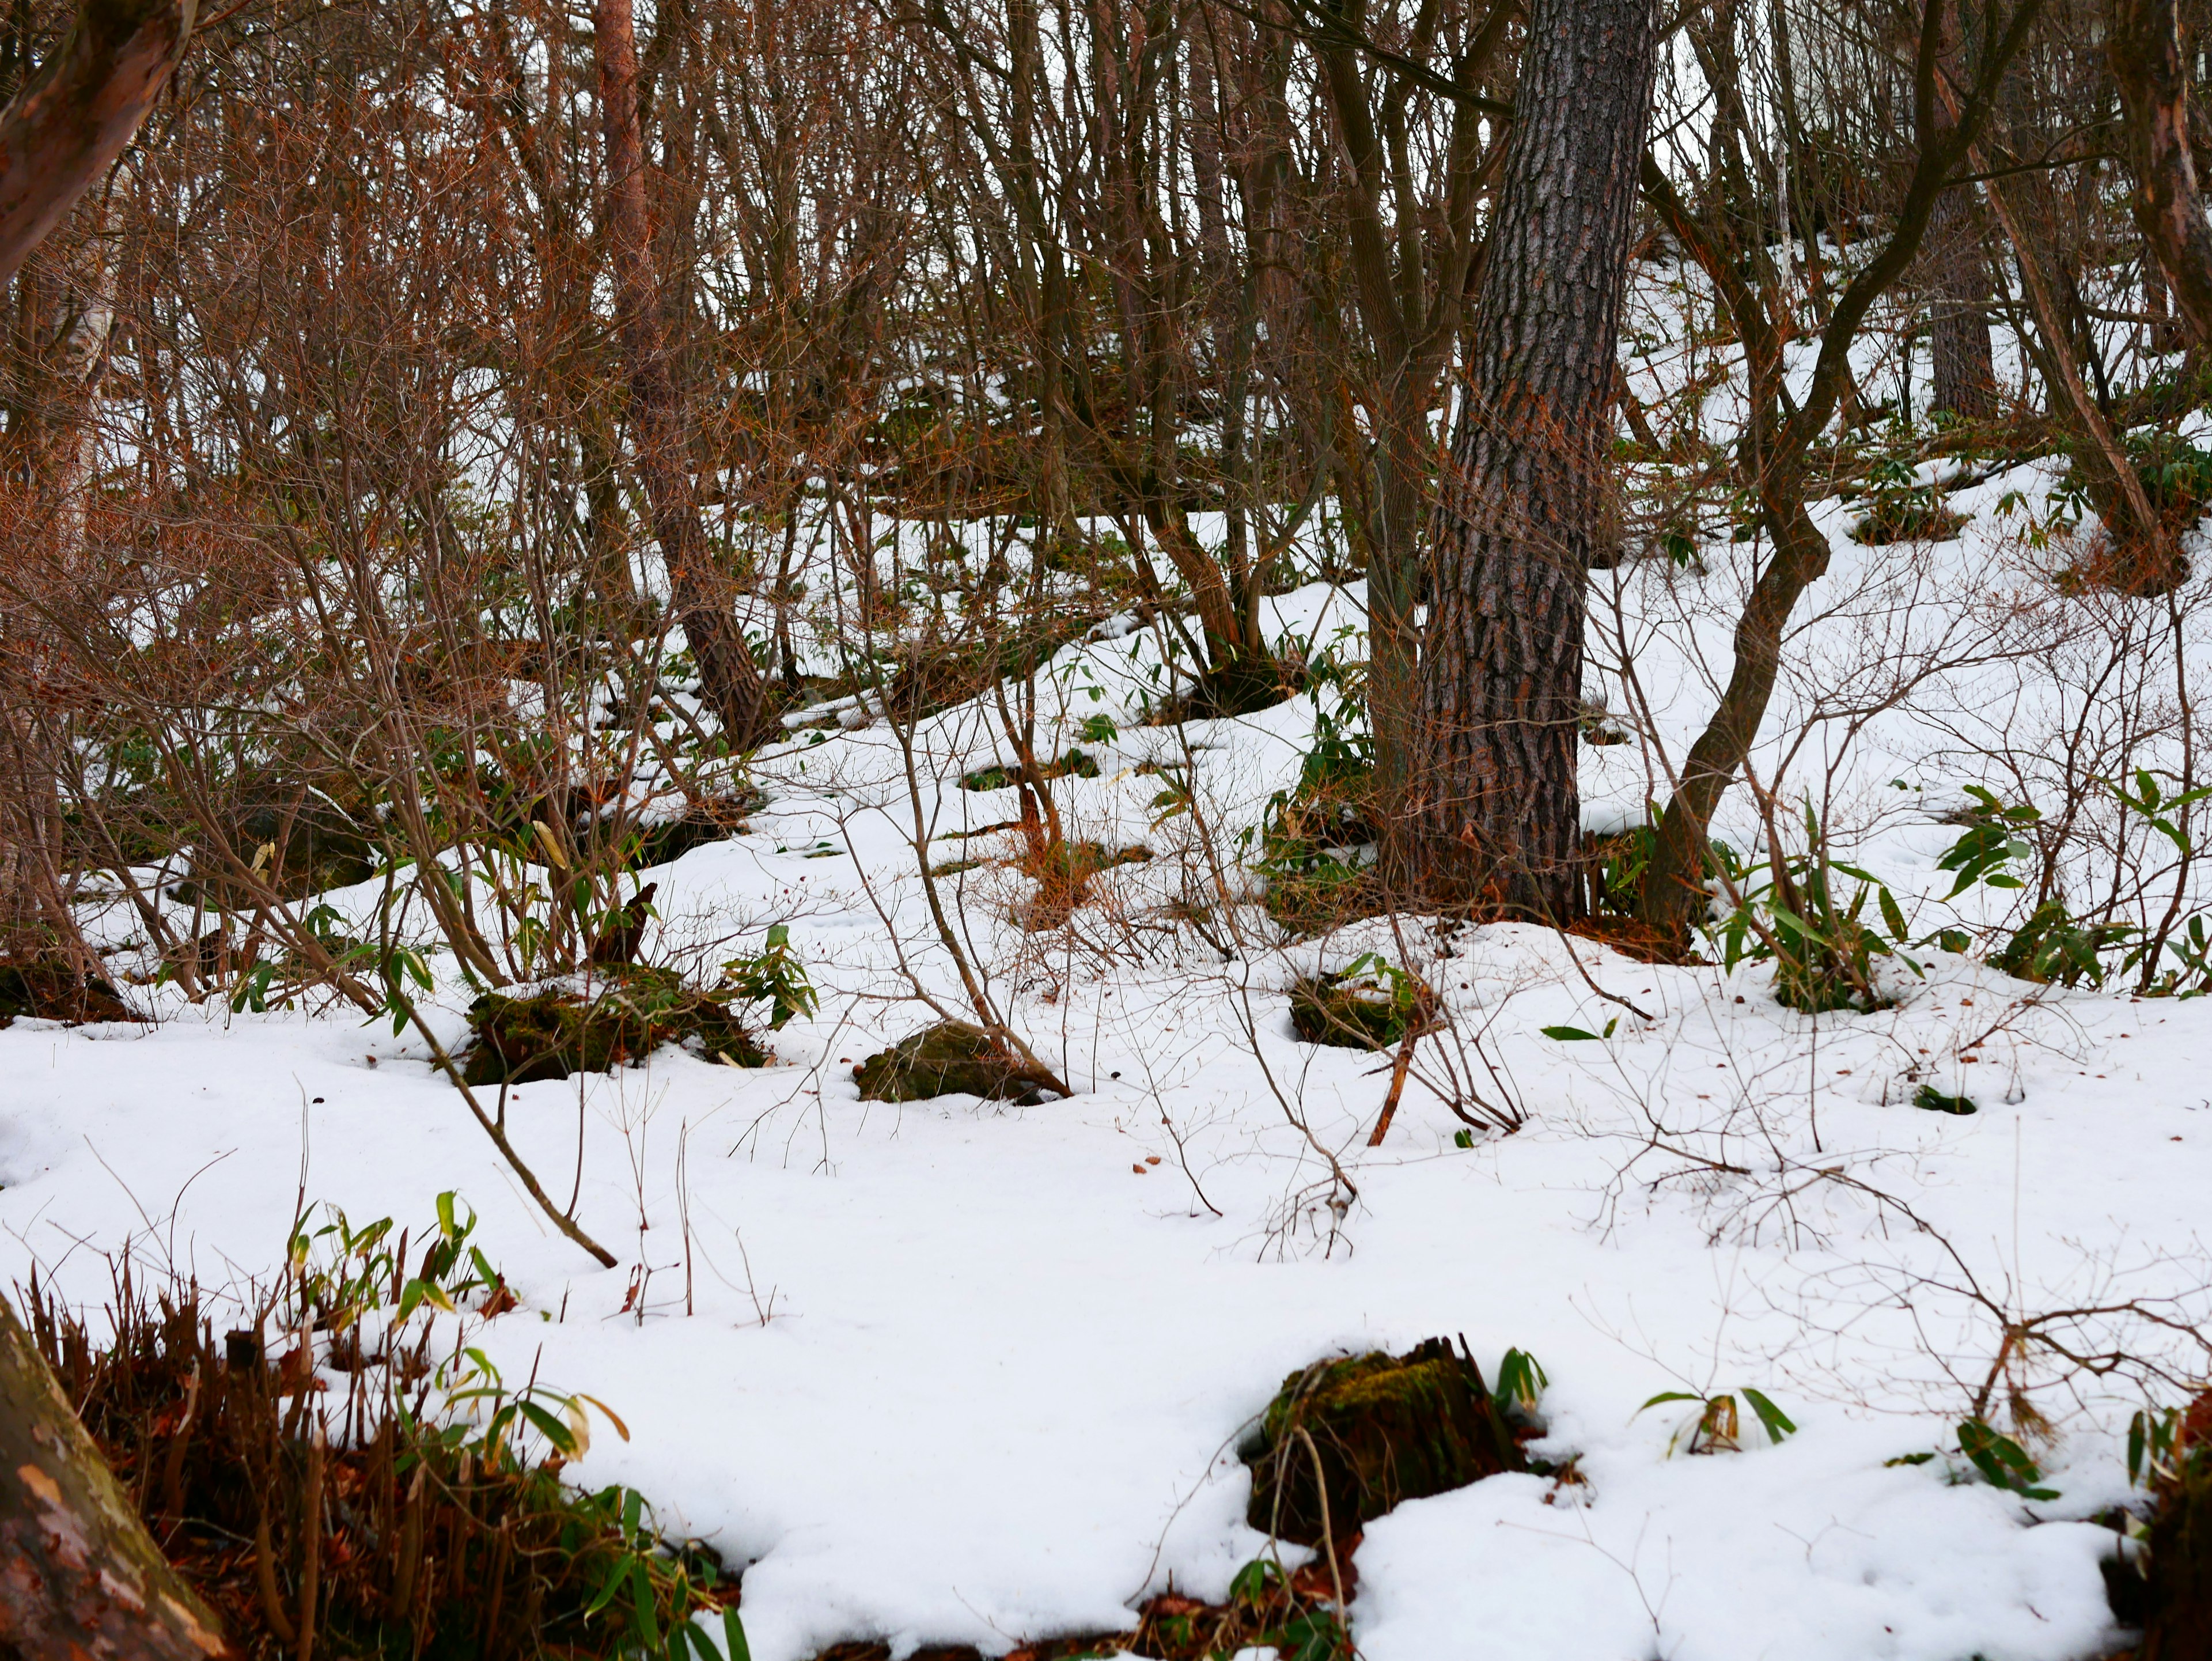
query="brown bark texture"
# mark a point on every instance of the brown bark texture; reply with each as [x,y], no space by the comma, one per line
[2145,52]
[80,1577]
[1966,375]
[660,429]
[68,125]
[1496,808]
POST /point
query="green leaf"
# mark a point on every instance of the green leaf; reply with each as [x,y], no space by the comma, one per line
[1892,918]
[640,1603]
[551,1428]
[1907,1459]
[2002,1461]
[1668,1396]
[733,1637]
[1569,1035]
[1771,1418]
[1256,1583]
[616,1575]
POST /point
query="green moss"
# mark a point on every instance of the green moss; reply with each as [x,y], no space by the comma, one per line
[558,1030]
[1368,1431]
[951,1058]
[1076,764]
[1368,1005]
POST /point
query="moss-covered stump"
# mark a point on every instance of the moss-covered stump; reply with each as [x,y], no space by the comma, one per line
[1370,1006]
[951,1058]
[54,989]
[557,1030]
[1369,1431]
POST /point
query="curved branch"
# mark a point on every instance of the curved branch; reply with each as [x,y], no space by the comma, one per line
[70,122]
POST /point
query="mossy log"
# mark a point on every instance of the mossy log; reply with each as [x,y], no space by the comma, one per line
[1367,1431]
[951,1058]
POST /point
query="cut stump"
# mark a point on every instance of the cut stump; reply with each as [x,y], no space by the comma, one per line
[1368,1431]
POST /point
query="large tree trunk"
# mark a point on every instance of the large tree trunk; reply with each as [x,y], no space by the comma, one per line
[1966,372]
[660,429]
[80,1577]
[1495,807]
[65,128]
[2147,60]
[1966,375]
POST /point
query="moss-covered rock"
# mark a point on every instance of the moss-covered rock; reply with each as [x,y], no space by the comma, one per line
[1369,1431]
[563,1029]
[1370,1005]
[951,1058]
[54,989]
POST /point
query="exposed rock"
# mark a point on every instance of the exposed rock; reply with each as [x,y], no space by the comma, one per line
[1376,1429]
[951,1058]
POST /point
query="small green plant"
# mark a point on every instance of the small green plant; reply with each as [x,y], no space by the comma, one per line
[1824,947]
[338,1272]
[1901,508]
[1932,1100]
[2154,1447]
[1521,1385]
[2002,1463]
[1317,840]
[1577,1034]
[773,976]
[2056,948]
[1717,1427]
[1992,841]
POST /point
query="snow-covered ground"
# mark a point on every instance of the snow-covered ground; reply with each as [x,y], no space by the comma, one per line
[962,1372]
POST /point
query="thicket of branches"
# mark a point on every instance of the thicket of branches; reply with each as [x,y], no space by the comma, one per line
[448,422]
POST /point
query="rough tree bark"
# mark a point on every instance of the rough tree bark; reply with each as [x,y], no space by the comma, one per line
[1409,290]
[2144,50]
[80,1578]
[660,429]
[1966,373]
[1495,811]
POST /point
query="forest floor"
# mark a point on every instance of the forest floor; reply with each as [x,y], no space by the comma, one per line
[960,1371]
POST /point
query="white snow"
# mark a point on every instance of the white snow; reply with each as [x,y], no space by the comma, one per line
[961,1372]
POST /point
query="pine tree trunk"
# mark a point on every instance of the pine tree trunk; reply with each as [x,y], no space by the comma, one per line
[659,426]
[1495,815]
[1966,375]
[80,1578]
